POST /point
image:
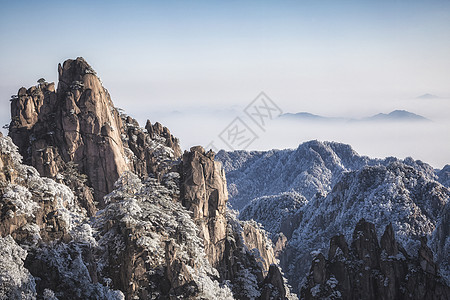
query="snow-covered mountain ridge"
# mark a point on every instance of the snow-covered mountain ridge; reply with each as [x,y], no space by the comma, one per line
[304,197]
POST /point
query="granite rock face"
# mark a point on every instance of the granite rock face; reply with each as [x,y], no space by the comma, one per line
[76,123]
[256,240]
[204,193]
[368,270]
[240,251]
[75,135]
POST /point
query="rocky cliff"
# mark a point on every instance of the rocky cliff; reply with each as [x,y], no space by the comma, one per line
[239,251]
[77,129]
[204,193]
[368,269]
[105,209]
[77,123]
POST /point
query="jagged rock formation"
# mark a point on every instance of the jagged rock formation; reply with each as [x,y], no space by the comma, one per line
[150,246]
[273,285]
[150,151]
[77,123]
[142,244]
[160,230]
[75,135]
[204,193]
[157,130]
[244,267]
[371,270]
[32,207]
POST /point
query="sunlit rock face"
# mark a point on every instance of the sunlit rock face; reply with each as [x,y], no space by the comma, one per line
[76,123]
[205,194]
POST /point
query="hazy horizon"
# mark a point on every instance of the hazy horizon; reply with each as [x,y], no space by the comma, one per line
[209,59]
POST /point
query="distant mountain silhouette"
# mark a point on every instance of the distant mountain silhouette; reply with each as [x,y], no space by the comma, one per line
[396,115]
[428,96]
[305,116]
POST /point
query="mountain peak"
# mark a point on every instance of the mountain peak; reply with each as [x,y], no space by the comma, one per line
[427,96]
[397,115]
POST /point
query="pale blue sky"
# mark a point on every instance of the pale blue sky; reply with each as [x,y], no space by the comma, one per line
[327,57]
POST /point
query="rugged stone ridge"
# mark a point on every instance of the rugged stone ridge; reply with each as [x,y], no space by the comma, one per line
[369,270]
[240,251]
[255,239]
[157,130]
[244,266]
[142,244]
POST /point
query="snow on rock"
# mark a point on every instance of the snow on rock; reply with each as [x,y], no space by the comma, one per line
[397,193]
[69,271]
[35,207]
[444,176]
[141,230]
[277,213]
[16,282]
[367,269]
[313,167]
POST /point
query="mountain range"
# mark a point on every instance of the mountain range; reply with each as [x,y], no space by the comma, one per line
[304,197]
[94,206]
[428,96]
[394,116]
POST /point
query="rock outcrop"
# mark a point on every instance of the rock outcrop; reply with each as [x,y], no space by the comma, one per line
[75,135]
[256,240]
[273,285]
[42,224]
[240,251]
[204,193]
[368,270]
[77,123]
[150,151]
[158,131]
